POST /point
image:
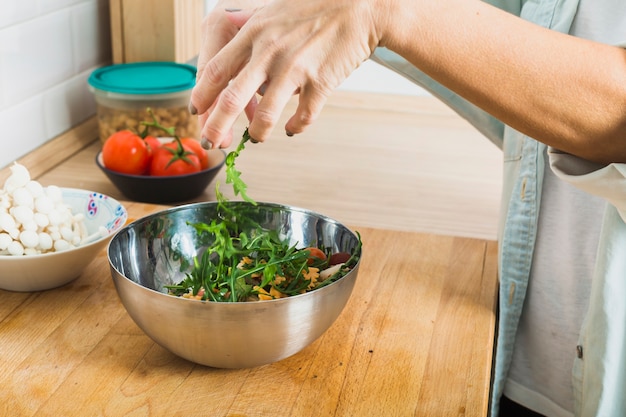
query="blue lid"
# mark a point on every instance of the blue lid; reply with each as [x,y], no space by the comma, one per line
[144,78]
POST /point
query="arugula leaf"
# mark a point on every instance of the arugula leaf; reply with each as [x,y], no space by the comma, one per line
[242,258]
[233,176]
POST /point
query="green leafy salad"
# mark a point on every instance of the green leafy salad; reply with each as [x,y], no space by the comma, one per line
[246,262]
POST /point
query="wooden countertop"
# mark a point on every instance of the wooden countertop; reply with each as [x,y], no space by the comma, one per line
[416,337]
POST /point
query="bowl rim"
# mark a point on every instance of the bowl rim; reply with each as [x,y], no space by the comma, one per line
[112,232]
[258,203]
[211,168]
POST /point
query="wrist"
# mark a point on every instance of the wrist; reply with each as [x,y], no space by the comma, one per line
[395,21]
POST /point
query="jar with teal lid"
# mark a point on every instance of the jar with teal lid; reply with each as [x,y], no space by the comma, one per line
[124,92]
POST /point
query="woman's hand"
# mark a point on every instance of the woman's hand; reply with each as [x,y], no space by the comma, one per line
[279,49]
[564,91]
[217,31]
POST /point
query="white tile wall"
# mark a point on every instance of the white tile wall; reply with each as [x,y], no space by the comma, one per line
[48,48]
[22,128]
[15,11]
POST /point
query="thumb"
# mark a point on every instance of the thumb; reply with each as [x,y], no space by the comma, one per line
[239,17]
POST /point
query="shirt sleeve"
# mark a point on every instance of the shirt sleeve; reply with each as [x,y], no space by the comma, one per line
[489,126]
[606,181]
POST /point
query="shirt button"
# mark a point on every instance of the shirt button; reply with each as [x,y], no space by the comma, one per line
[579,351]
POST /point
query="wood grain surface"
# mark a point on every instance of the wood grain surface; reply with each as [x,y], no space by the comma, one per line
[415,339]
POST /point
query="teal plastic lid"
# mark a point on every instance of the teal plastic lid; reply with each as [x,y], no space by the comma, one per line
[144,78]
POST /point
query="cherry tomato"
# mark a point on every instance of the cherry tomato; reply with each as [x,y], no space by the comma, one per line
[152,142]
[196,148]
[126,152]
[315,253]
[174,159]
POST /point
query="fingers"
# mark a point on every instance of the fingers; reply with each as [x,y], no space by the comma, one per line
[216,32]
[277,56]
[239,17]
[233,100]
[240,96]
[250,108]
[276,95]
[220,95]
[310,105]
[218,29]
[213,77]
[202,118]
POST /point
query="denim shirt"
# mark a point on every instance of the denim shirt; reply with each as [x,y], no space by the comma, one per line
[599,365]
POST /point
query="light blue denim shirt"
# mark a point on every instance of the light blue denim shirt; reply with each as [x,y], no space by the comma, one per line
[599,376]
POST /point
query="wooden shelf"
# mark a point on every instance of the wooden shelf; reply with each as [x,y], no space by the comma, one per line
[161,30]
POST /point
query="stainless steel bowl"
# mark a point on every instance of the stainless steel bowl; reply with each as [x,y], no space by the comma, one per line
[149,253]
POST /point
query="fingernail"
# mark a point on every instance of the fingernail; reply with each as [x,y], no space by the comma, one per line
[230,10]
[288,133]
[192,109]
[254,140]
[205,143]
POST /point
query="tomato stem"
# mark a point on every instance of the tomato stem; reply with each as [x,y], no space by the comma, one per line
[171,131]
[179,152]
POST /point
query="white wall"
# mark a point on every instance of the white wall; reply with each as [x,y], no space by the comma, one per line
[48,48]
[374,78]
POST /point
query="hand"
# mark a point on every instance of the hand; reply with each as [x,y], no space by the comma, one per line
[217,31]
[285,47]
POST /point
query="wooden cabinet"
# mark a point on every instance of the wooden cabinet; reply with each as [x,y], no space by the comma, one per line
[155,30]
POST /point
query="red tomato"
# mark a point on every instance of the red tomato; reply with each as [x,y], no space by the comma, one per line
[126,152]
[196,148]
[152,142]
[315,253]
[172,159]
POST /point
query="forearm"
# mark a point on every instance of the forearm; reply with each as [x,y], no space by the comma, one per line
[566,92]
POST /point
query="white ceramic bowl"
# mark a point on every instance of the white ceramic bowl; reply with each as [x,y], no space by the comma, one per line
[51,270]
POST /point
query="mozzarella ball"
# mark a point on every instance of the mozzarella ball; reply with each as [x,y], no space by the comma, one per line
[34,219]
[23,197]
[5,240]
[45,242]
[15,248]
[29,239]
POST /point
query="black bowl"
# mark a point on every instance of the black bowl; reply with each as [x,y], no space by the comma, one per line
[163,190]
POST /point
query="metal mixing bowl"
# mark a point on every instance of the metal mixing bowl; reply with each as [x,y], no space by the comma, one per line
[147,254]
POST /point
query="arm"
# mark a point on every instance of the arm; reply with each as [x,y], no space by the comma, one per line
[566,92]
